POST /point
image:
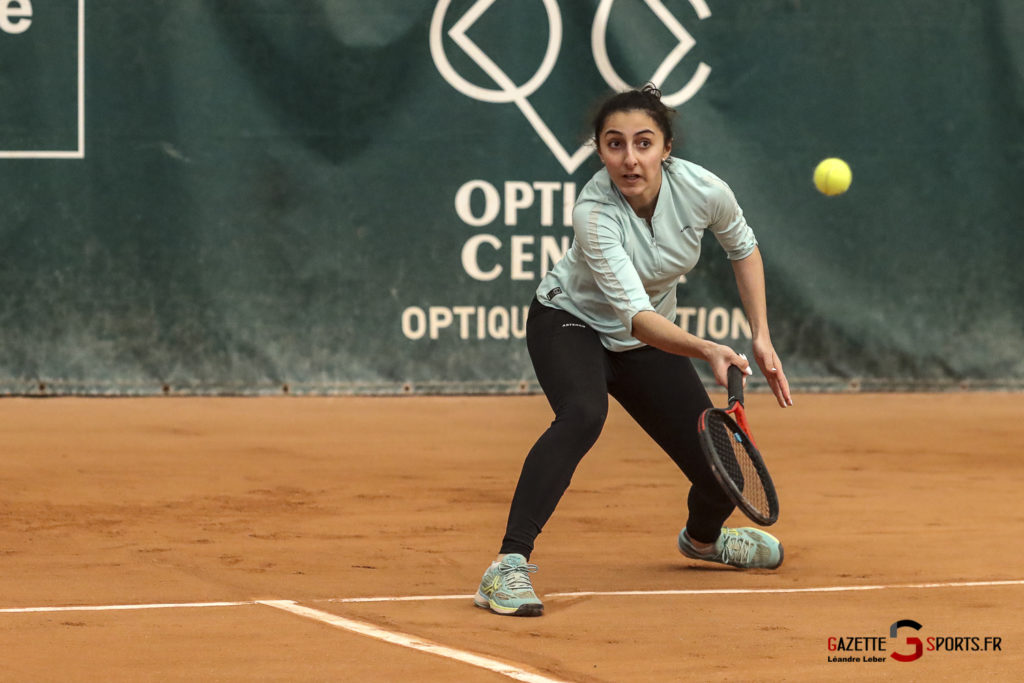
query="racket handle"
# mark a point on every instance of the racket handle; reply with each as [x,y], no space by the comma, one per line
[735,385]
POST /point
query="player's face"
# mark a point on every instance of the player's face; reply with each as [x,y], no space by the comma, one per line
[632,148]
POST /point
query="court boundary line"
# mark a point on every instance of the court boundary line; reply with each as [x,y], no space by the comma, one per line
[362,628]
[575,594]
[503,668]
[412,642]
[119,608]
[705,591]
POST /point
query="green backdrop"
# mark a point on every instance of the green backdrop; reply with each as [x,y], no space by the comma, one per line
[335,196]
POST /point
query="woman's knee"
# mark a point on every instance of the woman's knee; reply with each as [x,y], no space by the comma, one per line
[585,420]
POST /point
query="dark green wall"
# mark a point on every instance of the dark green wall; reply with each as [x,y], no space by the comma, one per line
[268,191]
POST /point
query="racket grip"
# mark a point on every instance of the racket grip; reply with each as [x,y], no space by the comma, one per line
[735,378]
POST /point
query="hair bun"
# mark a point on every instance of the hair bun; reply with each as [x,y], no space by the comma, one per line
[652,90]
[647,98]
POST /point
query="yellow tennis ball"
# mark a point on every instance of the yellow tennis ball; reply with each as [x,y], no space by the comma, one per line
[832,176]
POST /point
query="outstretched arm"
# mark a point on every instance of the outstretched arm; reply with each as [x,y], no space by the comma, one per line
[654,330]
[749,273]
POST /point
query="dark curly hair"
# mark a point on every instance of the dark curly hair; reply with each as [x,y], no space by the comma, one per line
[646,99]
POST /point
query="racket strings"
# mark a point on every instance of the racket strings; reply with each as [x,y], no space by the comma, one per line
[731,445]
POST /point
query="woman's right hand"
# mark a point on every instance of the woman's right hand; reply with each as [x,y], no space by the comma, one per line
[720,357]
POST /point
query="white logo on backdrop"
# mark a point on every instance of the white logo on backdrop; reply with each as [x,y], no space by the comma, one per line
[508,91]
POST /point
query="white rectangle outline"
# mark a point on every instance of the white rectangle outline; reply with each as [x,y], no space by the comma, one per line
[80,152]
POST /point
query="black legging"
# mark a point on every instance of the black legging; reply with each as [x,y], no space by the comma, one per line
[660,390]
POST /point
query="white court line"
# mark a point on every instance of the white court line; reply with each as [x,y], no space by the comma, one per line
[402,598]
[578,594]
[820,589]
[487,663]
[413,642]
[112,608]
[708,591]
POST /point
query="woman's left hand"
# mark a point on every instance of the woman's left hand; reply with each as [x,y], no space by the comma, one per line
[771,366]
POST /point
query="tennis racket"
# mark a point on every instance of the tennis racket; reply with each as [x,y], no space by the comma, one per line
[734,458]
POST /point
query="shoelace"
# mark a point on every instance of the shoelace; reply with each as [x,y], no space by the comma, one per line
[517,576]
[738,548]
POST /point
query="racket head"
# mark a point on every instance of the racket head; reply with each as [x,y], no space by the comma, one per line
[738,465]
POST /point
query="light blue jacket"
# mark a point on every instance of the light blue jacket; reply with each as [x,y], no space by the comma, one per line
[618,265]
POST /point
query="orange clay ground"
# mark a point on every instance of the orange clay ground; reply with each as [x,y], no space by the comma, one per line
[894,506]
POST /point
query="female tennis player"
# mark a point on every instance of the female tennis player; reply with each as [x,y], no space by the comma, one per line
[602,323]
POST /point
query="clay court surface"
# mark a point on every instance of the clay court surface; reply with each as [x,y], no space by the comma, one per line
[222,539]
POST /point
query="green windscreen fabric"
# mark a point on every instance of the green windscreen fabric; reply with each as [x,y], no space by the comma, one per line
[335,197]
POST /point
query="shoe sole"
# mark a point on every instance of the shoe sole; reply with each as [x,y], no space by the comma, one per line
[530,609]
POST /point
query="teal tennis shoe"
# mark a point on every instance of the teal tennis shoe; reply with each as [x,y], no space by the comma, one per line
[506,588]
[745,547]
